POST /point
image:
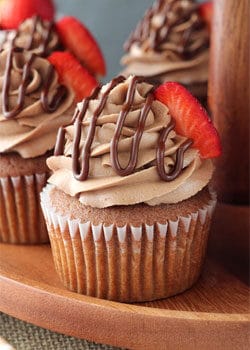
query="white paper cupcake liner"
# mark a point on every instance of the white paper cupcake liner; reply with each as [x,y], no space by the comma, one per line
[21,218]
[128,263]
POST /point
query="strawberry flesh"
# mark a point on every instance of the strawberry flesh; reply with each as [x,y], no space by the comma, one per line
[79,41]
[72,73]
[14,12]
[192,121]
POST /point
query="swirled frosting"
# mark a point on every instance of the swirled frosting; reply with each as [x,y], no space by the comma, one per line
[34,34]
[33,104]
[170,43]
[104,187]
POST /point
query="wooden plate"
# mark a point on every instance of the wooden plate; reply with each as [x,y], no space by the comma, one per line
[214,314]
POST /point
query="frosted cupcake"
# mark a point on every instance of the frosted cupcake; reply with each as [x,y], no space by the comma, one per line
[170,43]
[128,207]
[33,105]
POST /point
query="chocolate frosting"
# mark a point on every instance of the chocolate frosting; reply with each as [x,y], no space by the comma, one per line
[104,187]
[33,104]
[170,43]
[34,34]
[169,14]
[48,107]
[96,152]
[81,174]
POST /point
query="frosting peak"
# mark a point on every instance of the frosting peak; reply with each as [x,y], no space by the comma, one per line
[171,39]
[34,34]
[121,140]
[33,104]
[166,22]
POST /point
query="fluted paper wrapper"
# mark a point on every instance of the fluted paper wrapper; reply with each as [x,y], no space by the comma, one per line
[21,218]
[128,263]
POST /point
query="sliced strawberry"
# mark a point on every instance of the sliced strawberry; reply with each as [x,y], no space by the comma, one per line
[73,74]
[191,118]
[14,12]
[206,12]
[77,39]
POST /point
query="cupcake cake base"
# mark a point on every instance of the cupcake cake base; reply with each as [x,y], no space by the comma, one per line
[139,253]
[21,181]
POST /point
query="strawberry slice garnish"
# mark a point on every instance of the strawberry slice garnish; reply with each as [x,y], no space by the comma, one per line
[192,121]
[206,12]
[79,41]
[73,74]
[14,12]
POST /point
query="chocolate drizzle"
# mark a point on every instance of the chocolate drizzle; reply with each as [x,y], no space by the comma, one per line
[161,151]
[82,173]
[130,168]
[8,114]
[43,48]
[52,106]
[80,162]
[48,107]
[156,36]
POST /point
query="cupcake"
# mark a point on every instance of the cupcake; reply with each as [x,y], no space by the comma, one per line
[128,206]
[38,96]
[171,43]
[33,105]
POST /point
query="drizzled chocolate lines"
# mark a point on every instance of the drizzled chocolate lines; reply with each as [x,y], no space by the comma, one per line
[81,170]
[160,154]
[8,114]
[32,34]
[52,106]
[82,173]
[46,37]
[45,33]
[157,36]
[143,32]
[130,168]
[26,77]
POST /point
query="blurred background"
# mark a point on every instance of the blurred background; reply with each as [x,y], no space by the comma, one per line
[111,22]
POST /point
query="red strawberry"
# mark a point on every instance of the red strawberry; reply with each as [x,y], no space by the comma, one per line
[206,12]
[191,118]
[73,74]
[77,38]
[14,12]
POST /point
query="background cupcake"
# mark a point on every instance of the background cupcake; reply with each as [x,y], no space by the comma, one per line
[32,107]
[37,96]
[128,207]
[171,43]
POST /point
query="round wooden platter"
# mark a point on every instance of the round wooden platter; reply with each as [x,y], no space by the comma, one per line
[214,314]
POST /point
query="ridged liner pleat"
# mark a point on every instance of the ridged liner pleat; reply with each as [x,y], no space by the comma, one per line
[129,263]
[21,218]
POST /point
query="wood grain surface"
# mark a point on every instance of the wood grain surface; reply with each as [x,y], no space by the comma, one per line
[214,314]
[229,96]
